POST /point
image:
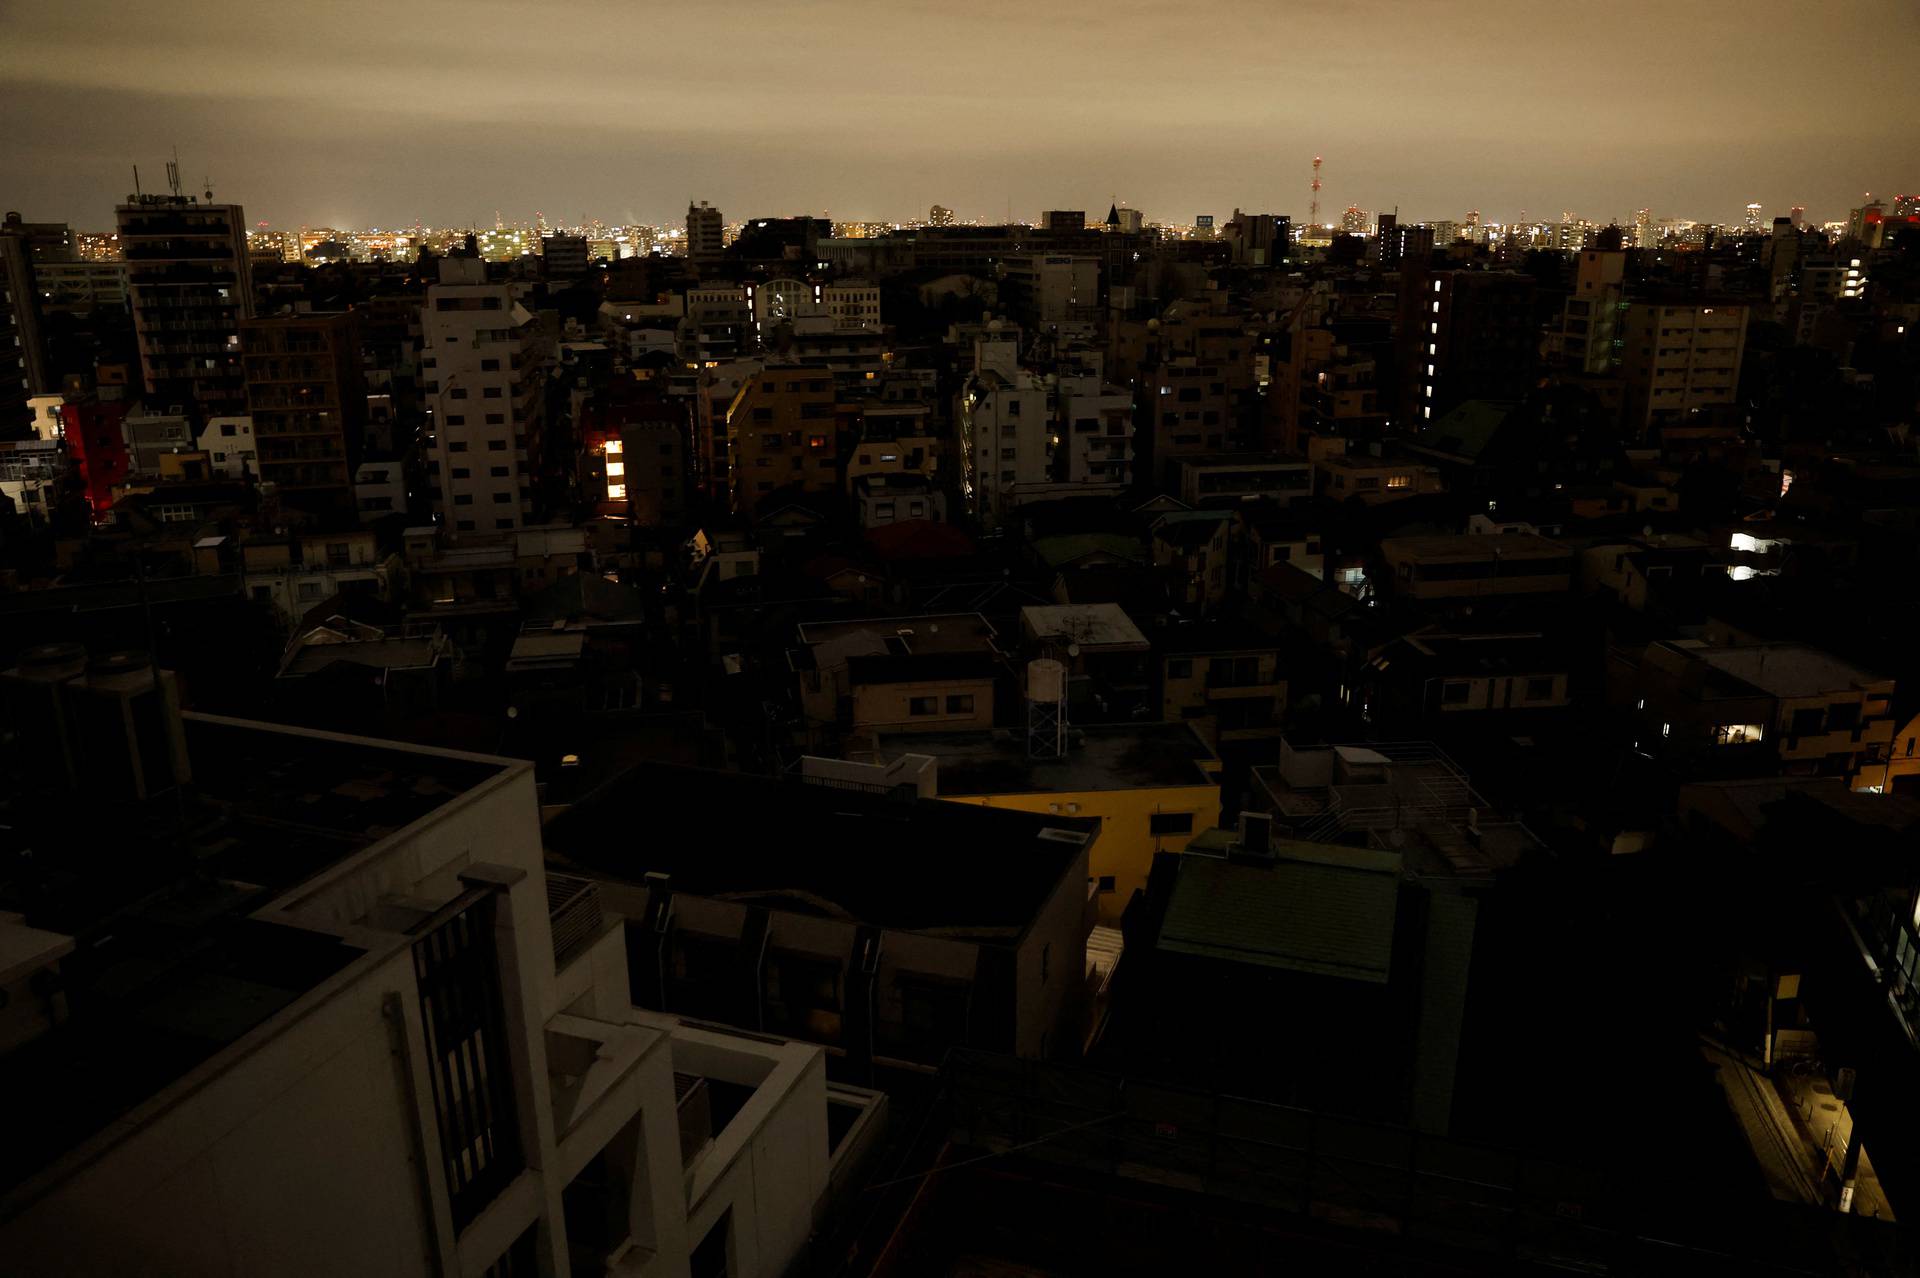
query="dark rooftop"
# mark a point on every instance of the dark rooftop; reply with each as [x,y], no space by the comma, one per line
[915,667]
[1101,757]
[737,835]
[295,803]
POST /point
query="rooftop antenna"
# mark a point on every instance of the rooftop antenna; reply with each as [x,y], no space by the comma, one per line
[136,182]
[173,173]
[207,184]
[1313,209]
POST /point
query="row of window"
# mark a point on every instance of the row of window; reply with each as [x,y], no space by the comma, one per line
[957,703]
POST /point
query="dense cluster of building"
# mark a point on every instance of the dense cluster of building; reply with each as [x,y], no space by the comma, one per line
[630,753]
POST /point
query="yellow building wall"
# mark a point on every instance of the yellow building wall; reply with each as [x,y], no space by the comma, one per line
[1126,844]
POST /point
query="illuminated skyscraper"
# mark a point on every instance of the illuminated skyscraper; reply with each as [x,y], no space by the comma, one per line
[1754,225]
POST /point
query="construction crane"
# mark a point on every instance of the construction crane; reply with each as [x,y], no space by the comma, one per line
[1313,209]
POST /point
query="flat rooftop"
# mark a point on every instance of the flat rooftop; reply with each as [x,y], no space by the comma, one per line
[295,803]
[1787,670]
[1313,908]
[1102,626]
[1101,757]
[1473,547]
[944,632]
[819,849]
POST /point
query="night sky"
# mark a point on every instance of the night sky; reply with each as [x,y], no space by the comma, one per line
[351,113]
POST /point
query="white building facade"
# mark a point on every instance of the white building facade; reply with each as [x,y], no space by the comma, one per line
[485,377]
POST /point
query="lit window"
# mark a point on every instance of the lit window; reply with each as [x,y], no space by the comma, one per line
[616,470]
[616,491]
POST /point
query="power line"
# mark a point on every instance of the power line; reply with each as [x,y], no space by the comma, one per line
[1011,1149]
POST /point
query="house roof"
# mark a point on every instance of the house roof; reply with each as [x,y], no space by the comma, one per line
[1096,626]
[1060,550]
[1316,908]
[925,667]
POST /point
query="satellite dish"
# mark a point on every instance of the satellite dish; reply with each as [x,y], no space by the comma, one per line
[1073,650]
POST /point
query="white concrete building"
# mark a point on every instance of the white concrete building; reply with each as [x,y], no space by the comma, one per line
[1006,437]
[1095,423]
[485,377]
[32,472]
[379,490]
[228,444]
[1682,359]
[400,1049]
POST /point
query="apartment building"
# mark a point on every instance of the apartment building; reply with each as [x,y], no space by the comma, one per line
[292,574]
[393,1044]
[781,435]
[1465,335]
[1094,422]
[705,234]
[1221,479]
[1374,479]
[1466,566]
[485,381]
[857,948]
[1681,361]
[1046,289]
[307,396]
[920,673]
[191,283]
[1223,677]
[1759,709]
[1006,437]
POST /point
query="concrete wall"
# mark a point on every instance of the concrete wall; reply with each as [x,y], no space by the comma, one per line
[888,706]
[260,1170]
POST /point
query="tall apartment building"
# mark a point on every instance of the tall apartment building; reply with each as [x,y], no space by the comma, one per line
[1588,339]
[1050,288]
[403,1048]
[19,339]
[485,382]
[191,282]
[1681,360]
[1006,434]
[307,395]
[565,256]
[1094,422]
[781,434]
[1464,335]
[705,234]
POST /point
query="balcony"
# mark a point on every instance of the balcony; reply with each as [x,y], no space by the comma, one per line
[573,914]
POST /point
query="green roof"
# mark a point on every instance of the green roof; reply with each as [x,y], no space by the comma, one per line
[1065,548]
[1315,908]
[1468,430]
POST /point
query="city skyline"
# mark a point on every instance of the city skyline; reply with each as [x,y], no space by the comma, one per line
[1436,109]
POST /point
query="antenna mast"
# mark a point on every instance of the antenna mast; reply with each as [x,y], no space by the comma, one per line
[1313,209]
